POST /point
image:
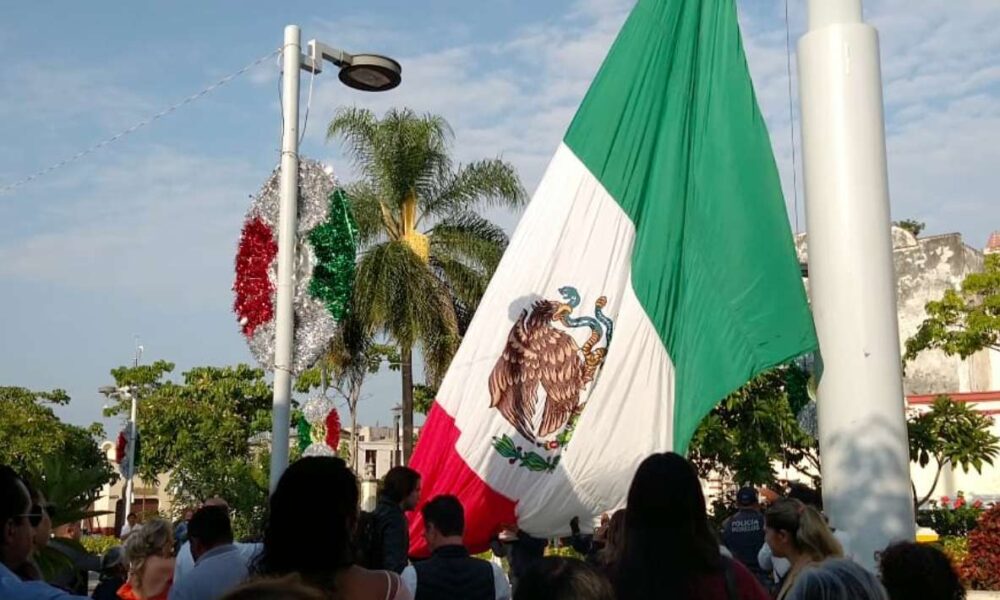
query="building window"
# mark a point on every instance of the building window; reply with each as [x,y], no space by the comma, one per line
[370,457]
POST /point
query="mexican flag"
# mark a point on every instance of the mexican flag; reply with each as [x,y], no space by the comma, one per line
[652,274]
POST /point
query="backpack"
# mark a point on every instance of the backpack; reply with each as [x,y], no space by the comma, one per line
[368,542]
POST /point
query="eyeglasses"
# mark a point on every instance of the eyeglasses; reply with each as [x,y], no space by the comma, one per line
[38,512]
[34,517]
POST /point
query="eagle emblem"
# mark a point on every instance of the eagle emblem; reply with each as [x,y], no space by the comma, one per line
[540,355]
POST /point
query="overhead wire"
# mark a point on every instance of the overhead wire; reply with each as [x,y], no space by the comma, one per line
[118,136]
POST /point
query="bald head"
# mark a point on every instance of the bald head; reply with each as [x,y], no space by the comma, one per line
[216,501]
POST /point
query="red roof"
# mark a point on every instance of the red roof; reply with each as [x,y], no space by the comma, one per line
[993,396]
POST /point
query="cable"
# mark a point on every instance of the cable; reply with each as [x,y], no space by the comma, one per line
[137,126]
[791,119]
[309,101]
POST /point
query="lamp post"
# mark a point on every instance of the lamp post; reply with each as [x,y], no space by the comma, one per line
[397,436]
[862,426]
[127,393]
[367,72]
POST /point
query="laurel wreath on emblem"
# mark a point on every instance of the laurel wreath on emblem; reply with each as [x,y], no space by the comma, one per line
[538,354]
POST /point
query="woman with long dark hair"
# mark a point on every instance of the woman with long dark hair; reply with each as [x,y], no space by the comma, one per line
[312,515]
[610,555]
[669,549]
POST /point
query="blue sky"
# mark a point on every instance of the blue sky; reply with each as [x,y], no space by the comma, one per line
[139,238]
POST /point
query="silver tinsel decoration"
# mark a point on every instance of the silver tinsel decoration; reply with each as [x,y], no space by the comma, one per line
[319,450]
[316,409]
[314,325]
[807,419]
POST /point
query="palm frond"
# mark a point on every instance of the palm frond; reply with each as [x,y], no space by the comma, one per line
[437,352]
[366,208]
[471,238]
[357,127]
[476,185]
[397,294]
[412,152]
[466,284]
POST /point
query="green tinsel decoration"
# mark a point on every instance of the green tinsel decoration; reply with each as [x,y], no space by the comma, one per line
[304,438]
[335,245]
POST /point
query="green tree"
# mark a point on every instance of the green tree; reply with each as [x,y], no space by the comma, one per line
[423,397]
[755,428]
[32,436]
[950,433]
[201,432]
[427,254]
[911,225]
[351,357]
[963,321]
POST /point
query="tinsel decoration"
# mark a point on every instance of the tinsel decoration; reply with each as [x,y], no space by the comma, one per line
[324,267]
[253,287]
[121,452]
[120,446]
[807,419]
[319,428]
[335,244]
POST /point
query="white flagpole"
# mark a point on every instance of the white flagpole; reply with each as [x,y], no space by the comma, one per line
[862,426]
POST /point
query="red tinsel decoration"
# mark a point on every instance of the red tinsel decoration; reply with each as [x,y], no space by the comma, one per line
[120,447]
[333,430]
[253,287]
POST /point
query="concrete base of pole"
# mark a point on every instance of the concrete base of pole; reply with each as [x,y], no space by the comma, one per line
[862,427]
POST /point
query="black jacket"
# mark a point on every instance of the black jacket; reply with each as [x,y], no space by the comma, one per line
[522,554]
[451,573]
[394,534]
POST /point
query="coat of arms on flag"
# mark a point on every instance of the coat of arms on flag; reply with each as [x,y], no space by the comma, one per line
[540,357]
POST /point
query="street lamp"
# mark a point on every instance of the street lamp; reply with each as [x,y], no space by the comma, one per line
[367,72]
[111,391]
[125,392]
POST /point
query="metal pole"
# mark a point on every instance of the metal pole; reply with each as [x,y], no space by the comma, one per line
[129,486]
[133,412]
[285,317]
[862,426]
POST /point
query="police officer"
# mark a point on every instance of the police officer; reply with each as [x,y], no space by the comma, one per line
[743,533]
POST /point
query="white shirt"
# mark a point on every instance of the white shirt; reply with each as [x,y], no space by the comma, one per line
[216,572]
[185,561]
[501,586]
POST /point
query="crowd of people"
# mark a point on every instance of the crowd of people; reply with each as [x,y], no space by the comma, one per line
[317,544]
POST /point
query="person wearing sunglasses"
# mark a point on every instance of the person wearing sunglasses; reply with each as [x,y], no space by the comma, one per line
[42,514]
[18,520]
[41,523]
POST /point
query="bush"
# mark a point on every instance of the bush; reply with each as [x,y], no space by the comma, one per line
[951,518]
[982,566]
[957,548]
[99,544]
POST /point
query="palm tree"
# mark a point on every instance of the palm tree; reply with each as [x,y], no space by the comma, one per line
[426,254]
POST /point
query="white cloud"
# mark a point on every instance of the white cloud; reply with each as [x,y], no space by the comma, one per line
[941,91]
[514,98]
[60,95]
[160,226]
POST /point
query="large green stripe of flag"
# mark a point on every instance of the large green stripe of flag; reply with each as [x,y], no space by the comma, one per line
[672,130]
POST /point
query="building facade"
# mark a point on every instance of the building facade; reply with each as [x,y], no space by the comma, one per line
[150,499]
[925,268]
